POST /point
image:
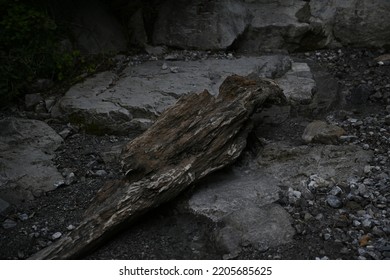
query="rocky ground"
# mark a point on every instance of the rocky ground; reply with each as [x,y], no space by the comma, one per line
[338,205]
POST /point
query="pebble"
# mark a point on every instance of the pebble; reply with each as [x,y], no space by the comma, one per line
[327,236]
[23,217]
[333,201]
[59,183]
[65,133]
[308,216]
[56,235]
[356,223]
[70,179]
[70,227]
[174,69]
[8,223]
[100,173]
[319,216]
[367,223]
[164,66]
[367,169]
[336,191]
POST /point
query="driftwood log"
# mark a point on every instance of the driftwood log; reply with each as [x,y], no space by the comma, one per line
[198,135]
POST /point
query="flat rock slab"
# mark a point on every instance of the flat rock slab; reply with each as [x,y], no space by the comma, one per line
[298,84]
[108,103]
[243,202]
[26,153]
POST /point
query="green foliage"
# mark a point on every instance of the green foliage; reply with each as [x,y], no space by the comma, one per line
[30,49]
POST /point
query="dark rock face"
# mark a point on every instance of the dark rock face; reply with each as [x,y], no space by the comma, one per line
[200,24]
[249,26]
[258,25]
[363,23]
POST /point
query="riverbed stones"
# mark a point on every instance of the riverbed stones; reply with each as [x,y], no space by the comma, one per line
[26,153]
[307,168]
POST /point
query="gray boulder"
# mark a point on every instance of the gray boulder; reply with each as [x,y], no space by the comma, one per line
[364,23]
[131,102]
[243,202]
[353,22]
[200,24]
[274,25]
[26,153]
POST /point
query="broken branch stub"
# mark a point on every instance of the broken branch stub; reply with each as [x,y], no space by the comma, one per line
[198,135]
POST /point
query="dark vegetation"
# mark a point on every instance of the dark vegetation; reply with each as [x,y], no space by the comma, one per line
[35,51]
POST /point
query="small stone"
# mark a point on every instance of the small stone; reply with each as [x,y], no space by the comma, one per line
[356,223]
[23,217]
[336,191]
[70,227]
[308,216]
[171,57]
[174,69]
[367,169]
[70,179]
[65,133]
[362,190]
[8,223]
[367,223]
[164,66]
[327,236]
[352,120]
[56,235]
[100,173]
[297,194]
[363,241]
[333,201]
[319,217]
[366,146]
[59,183]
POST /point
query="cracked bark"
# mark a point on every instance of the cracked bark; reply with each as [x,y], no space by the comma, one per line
[197,136]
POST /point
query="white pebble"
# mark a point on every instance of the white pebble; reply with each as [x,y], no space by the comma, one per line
[56,235]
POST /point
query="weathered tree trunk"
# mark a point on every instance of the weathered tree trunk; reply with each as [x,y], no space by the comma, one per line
[198,135]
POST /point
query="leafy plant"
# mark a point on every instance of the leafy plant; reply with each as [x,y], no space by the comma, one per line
[30,49]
